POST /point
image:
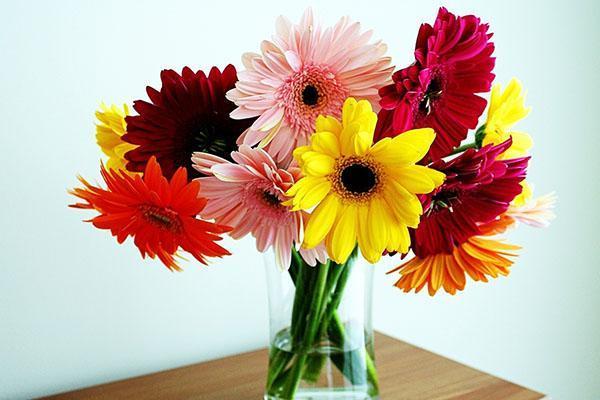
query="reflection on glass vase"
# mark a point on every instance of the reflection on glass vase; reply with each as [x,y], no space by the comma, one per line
[321,333]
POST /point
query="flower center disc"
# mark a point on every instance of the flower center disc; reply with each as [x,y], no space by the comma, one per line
[271,199]
[433,92]
[310,95]
[162,218]
[444,199]
[358,178]
[207,139]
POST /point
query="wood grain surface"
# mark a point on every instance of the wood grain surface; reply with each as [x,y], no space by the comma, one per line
[405,371]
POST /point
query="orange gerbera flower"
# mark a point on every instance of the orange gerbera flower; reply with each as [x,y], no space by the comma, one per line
[160,215]
[478,257]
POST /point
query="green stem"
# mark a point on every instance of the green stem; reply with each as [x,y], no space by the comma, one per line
[277,363]
[310,333]
[336,297]
[464,147]
[315,362]
[299,298]
[338,332]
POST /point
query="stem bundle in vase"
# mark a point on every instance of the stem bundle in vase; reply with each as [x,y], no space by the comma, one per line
[317,334]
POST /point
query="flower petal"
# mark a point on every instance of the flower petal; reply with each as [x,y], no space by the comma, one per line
[321,221]
[406,148]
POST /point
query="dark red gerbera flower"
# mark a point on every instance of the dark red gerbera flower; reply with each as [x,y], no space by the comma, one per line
[478,188]
[190,113]
[160,215]
[453,62]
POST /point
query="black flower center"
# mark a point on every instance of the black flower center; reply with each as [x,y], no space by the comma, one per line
[444,199]
[207,140]
[271,199]
[434,91]
[358,178]
[310,95]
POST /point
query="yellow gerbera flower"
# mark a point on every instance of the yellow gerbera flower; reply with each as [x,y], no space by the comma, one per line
[361,191]
[109,130]
[506,109]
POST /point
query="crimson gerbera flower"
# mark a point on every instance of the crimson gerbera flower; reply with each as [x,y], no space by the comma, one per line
[478,188]
[160,215]
[453,62]
[190,113]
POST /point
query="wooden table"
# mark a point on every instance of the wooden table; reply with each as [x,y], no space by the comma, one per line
[405,372]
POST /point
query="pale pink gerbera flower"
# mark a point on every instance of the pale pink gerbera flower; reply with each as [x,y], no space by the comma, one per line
[247,195]
[305,72]
[536,212]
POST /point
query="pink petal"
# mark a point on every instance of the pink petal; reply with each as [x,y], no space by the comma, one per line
[243,113]
[231,173]
[293,60]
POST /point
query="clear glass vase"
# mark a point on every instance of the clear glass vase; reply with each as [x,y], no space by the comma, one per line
[321,332]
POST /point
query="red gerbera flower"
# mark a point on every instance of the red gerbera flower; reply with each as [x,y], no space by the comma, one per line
[453,62]
[190,113]
[159,215]
[478,188]
[455,237]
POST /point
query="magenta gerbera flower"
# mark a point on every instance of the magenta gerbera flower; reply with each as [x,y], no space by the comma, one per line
[304,72]
[247,195]
[453,63]
[477,190]
[190,113]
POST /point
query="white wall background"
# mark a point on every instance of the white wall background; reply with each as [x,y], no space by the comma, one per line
[77,310]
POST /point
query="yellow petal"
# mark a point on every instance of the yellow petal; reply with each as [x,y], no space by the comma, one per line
[344,235]
[347,139]
[303,187]
[419,179]
[506,108]
[357,117]
[328,124]
[321,221]
[327,143]
[299,152]
[377,225]
[494,135]
[403,205]
[494,99]
[398,237]
[348,111]
[317,164]
[405,149]
[521,143]
[393,238]
[298,185]
[523,197]
[109,132]
[299,200]
[314,195]
[364,241]
[362,142]
[404,241]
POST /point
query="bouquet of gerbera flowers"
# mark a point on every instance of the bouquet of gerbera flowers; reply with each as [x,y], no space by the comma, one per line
[322,153]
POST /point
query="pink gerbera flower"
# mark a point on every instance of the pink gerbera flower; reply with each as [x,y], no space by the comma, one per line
[247,196]
[453,62]
[305,72]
